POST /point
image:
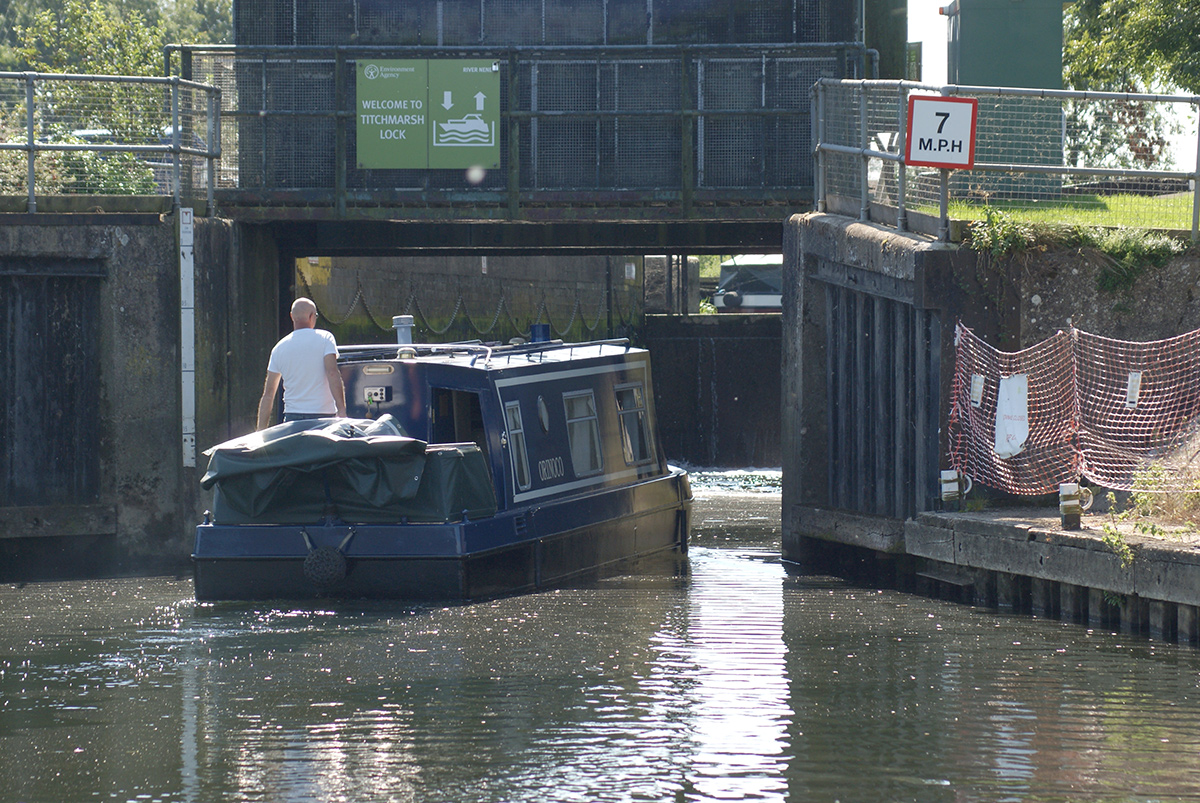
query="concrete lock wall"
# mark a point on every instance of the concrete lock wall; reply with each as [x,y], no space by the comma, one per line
[868,351]
[113,279]
[842,278]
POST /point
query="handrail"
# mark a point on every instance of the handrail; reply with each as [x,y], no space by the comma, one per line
[33,145]
[899,90]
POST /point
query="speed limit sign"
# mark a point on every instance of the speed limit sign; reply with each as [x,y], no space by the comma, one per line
[941,132]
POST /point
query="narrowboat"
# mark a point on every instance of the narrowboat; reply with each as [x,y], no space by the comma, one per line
[463,471]
[750,283]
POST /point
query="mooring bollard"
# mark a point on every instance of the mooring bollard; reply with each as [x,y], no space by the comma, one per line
[953,490]
[1072,501]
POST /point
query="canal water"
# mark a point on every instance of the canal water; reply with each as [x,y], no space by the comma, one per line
[720,677]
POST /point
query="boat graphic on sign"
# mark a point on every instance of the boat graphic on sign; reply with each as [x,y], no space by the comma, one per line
[469,130]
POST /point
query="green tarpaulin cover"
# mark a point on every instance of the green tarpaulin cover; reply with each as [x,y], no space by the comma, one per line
[355,470]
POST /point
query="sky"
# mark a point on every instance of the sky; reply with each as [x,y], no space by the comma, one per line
[927,26]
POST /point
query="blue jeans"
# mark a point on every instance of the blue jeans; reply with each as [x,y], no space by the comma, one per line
[305,416]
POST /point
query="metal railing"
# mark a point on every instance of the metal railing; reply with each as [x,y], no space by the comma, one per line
[679,126]
[63,134]
[1098,158]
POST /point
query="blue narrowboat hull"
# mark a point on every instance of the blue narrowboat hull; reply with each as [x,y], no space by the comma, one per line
[466,471]
[511,552]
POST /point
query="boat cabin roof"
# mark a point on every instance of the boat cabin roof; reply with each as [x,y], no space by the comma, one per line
[488,357]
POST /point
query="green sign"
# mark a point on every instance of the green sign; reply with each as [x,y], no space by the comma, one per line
[419,114]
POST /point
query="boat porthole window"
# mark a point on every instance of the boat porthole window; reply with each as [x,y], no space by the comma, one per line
[543,414]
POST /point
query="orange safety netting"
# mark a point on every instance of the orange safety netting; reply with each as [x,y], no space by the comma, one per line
[1123,415]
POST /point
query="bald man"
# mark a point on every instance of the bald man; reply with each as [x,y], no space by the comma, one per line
[306,362]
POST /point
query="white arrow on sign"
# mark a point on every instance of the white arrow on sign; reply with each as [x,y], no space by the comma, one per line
[479,99]
[446,101]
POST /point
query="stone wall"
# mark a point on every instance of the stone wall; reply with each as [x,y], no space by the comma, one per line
[137,515]
[132,517]
[468,297]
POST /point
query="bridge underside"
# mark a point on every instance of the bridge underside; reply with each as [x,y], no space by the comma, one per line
[335,237]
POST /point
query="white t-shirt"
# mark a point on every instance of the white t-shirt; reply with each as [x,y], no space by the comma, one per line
[300,359]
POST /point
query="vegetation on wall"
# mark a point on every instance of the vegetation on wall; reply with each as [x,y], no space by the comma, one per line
[1124,254]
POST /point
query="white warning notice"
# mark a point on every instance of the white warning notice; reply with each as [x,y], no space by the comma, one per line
[941,132]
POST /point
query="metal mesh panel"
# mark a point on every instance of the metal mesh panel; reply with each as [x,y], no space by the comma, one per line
[647,152]
[555,22]
[264,22]
[593,123]
[460,23]
[566,150]
[298,150]
[718,21]
[572,22]
[841,124]
[513,22]
[13,163]
[755,150]
[319,22]
[383,22]
[100,137]
[626,23]
[731,147]
[790,83]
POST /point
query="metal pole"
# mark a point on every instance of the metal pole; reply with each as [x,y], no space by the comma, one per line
[1196,182]
[176,173]
[901,170]
[944,207]
[31,142]
[819,154]
[864,209]
[944,195]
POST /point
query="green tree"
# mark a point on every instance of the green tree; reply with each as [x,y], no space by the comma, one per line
[1113,43]
[173,21]
[91,36]
[14,15]
[1127,46]
[198,22]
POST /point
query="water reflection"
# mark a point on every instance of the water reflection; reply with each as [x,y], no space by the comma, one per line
[724,678]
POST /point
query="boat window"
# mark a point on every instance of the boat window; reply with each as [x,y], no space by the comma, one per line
[516,444]
[456,416]
[583,432]
[631,407]
[543,414]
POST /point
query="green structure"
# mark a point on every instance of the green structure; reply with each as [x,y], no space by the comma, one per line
[1006,43]
[1014,43]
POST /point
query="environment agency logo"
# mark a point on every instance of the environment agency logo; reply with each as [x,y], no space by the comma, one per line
[371,71]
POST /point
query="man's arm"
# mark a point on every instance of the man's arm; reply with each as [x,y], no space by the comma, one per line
[336,386]
[270,386]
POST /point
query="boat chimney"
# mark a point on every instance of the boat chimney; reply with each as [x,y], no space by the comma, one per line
[403,324]
[539,333]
